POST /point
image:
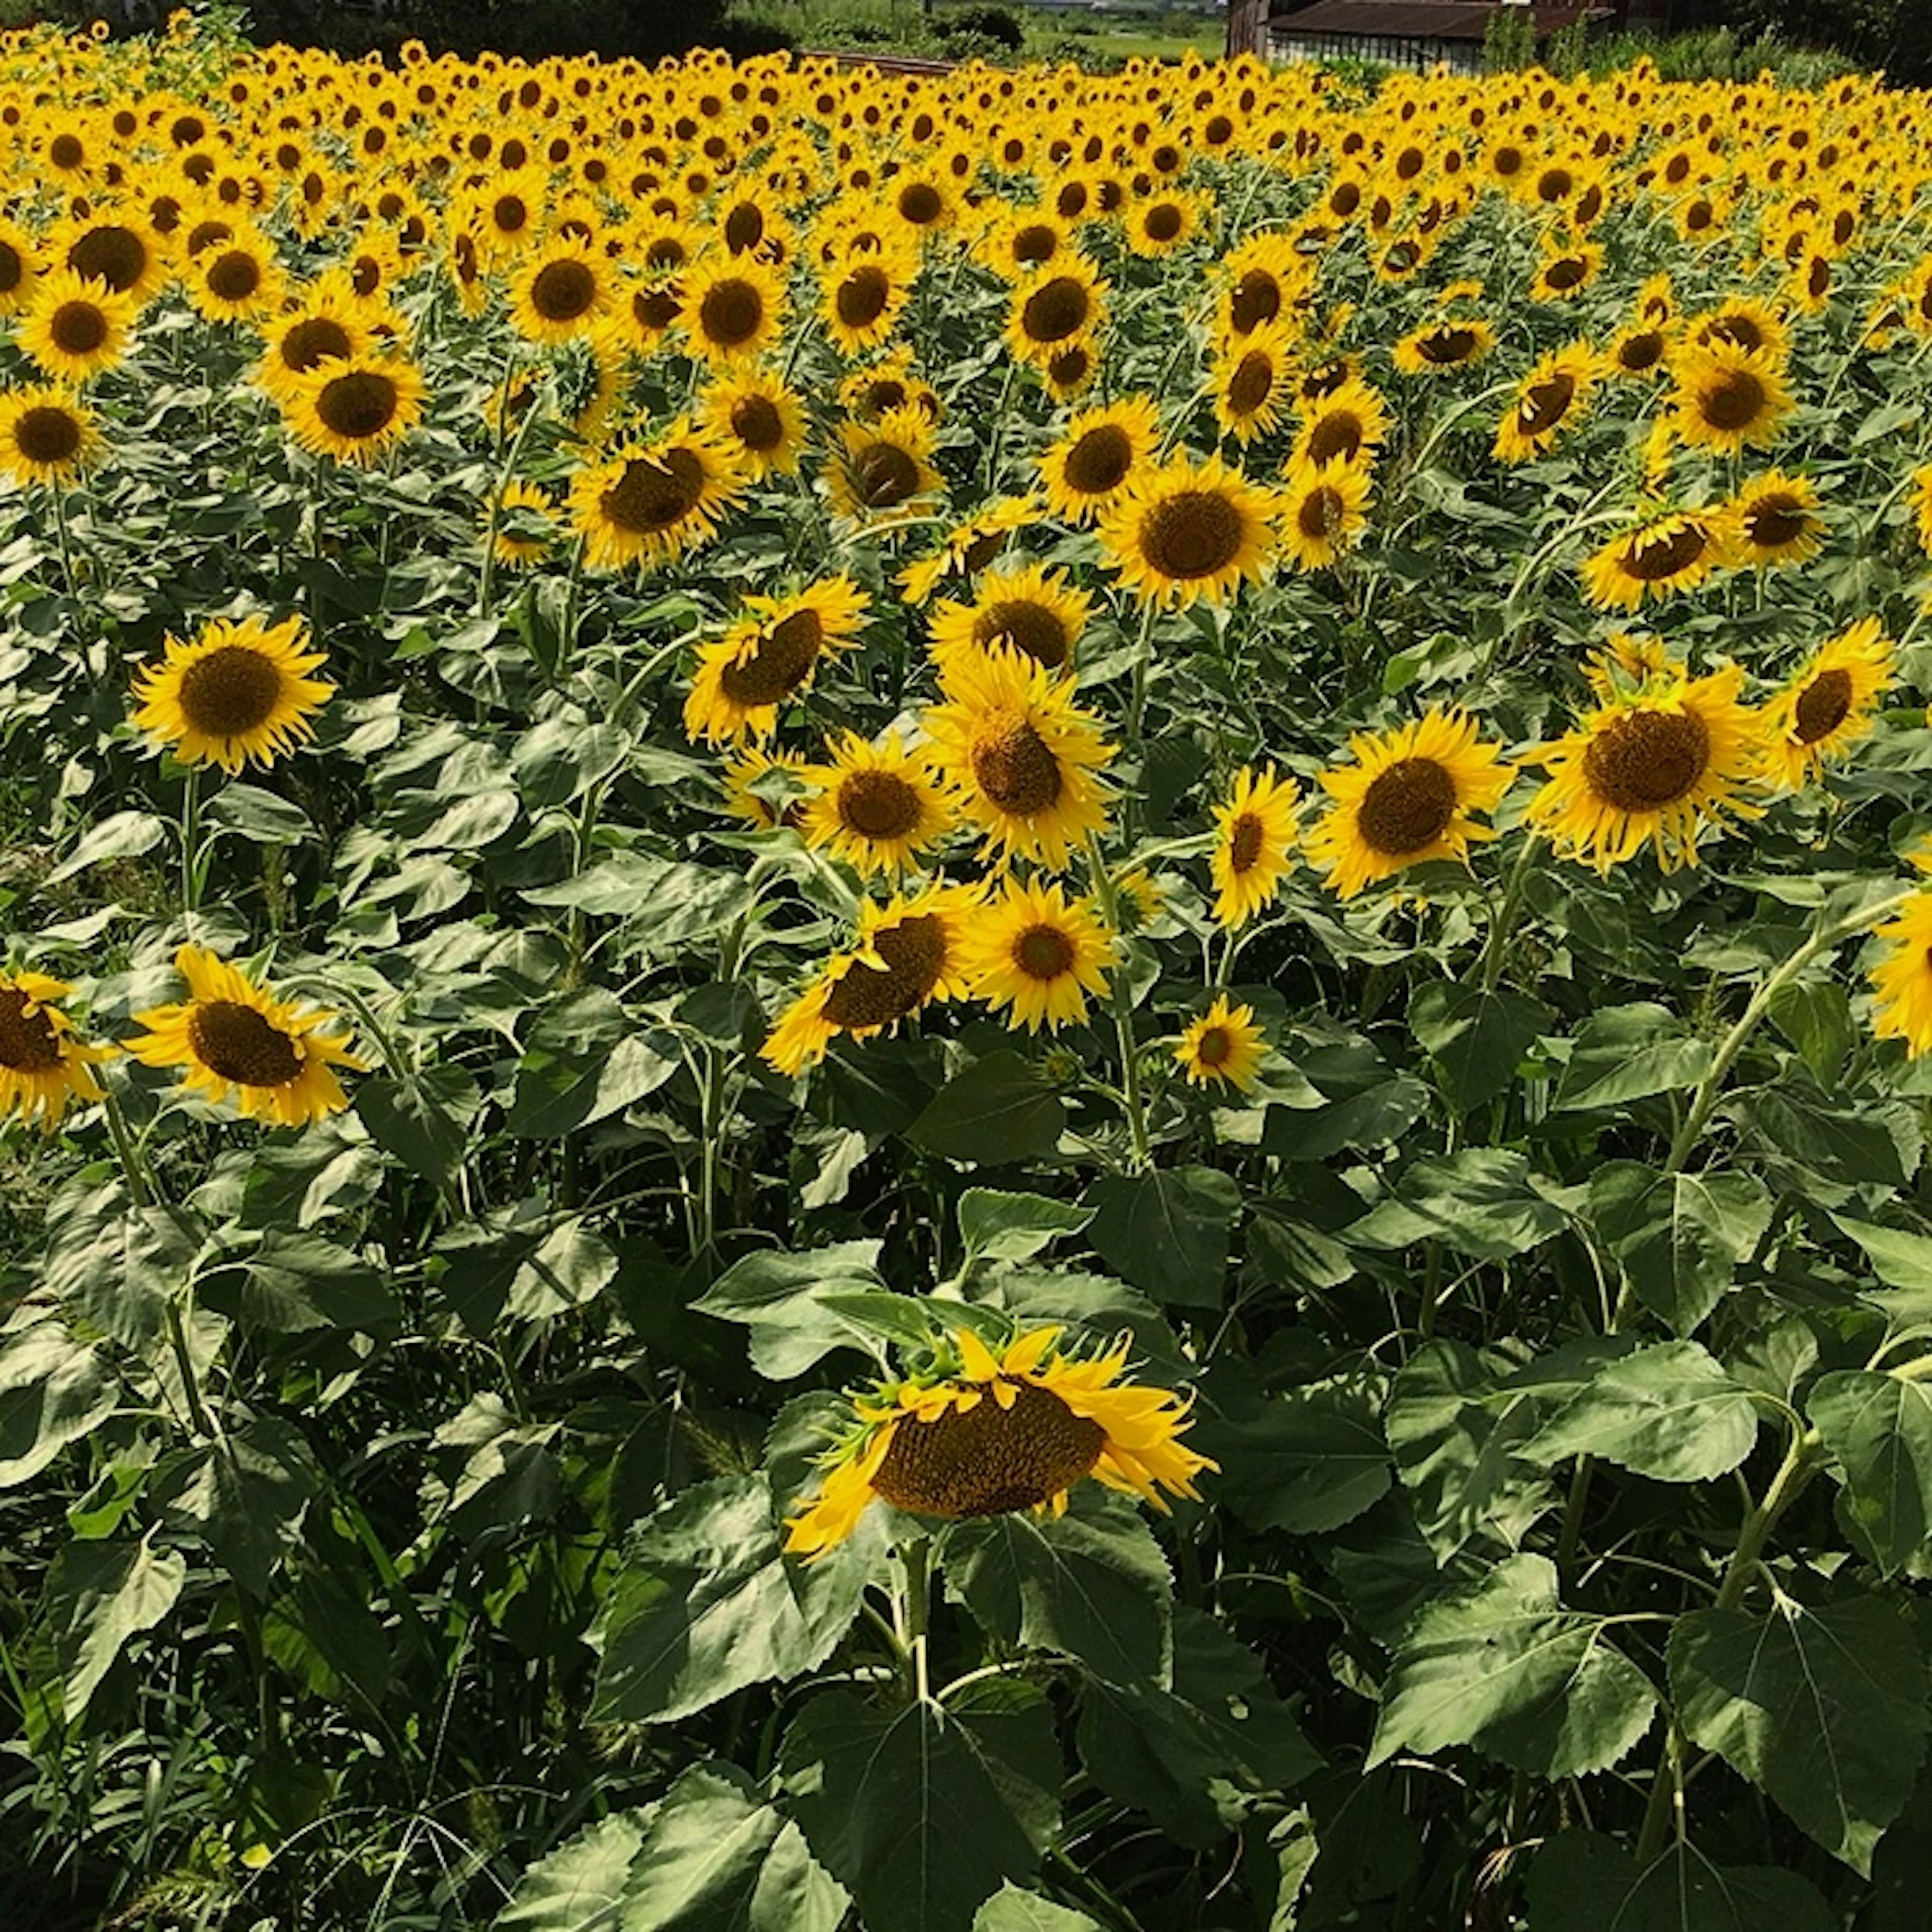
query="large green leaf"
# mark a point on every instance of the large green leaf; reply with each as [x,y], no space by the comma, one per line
[1669,1412]
[1505,1667]
[1482,1201]
[53,1390]
[1010,1909]
[1627,1053]
[580,1886]
[98,1595]
[424,1121]
[294,1283]
[1879,1427]
[245,1495]
[800,1307]
[1167,1231]
[1678,1237]
[584,1059]
[1824,1709]
[998,1109]
[1901,1259]
[1309,1458]
[1476,1035]
[1582,1882]
[922,1813]
[997,1227]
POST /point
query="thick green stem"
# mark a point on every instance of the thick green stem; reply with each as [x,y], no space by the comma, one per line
[711,1125]
[1497,949]
[1135,1103]
[916,1558]
[140,1183]
[1667,1797]
[190,841]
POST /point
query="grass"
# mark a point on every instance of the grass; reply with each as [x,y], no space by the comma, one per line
[1091,37]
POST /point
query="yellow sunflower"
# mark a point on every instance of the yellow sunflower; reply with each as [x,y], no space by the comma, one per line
[121,252]
[43,1068]
[1901,981]
[1033,610]
[877,805]
[1187,530]
[1828,706]
[767,656]
[761,420]
[1099,453]
[1223,1047]
[1251,386]
[354,410]
[1054,309]
[731,308]
[561,289]
[522,527]
[1776,519]
[1019,755]
[277,1057]
[1654,765]
[1347,425]
[1440,346]
[968,548]
[238,692]
[1639,352]
[325,321]
[1254,835]
[1323,509]
[880,466]
[240,281]
[74,329]
[47,434]
[984,1435]
[909,953]
[1039,956]
[651,501]
[864,296]
[1726,397]
[746,784]
[1407,798]
[1676,551]
[1551,395]
[20,267]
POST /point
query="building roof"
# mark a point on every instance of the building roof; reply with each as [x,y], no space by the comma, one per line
[1416,19]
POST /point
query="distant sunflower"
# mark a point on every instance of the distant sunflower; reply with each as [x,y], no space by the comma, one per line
[1033,610]
[980,1435]
[74,329]
[43,1067]
[1054,308]
[1254,836]
[1162,223]
[1407,798]
[1551,395]
[1653,766]
[768,656]
[1034,952]
[651,501]
[1727,398]
[237,694]
[880,467]
[967,548]
[1901,981]
[1440,346]
[1019,756]
[732,308]
[1676,551]
[877,805]
[1188,530]
[1223,1047]
[1639,352]
[354,411]
[1323,509]
[47,434]
[523,527]
[1829,705]
[1099,454]
[1070,371]
[760,417]
[232,1037]
[1777,519]
[561,289]
[1566,274]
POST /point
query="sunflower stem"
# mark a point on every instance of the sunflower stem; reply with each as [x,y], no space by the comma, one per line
[190,843]
[917,1558]
[66,545]
[1497,949]
[711,1127]
[1136,1107]
[140,1183]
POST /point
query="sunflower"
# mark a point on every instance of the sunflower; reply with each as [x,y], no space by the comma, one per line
[1323,509]
[767,656]
[20,267]
[73,328]
[1223,1047]
[1032,952]
[1033,610]
[1828,706]
[967,548]
[1549,396]
[909,953]
[1099,454]
[1347,426]
[1019,755]
[1776,519]
[1741,324]
[240,281]
[864,296]
[1250,386]
[326,321]
[1184,531]
[877,807]
[1640,351]
[1267,279]
[651,501]
[1901,981]
[760,419]
[47,434]
[1439,346]
[1162,223]
[522,527]
[889,384]
[1654,765]
[232,1036]
[1407,798]
[354,410]
[1727,398]
[744,778]
[43,1068]
[732,308]
[1676,551]
[1254,835]
[1624,660]
[238,692]
[123,254]
[881,466]
[1566,274]
[1057,307]
[938,1446]
[561,290]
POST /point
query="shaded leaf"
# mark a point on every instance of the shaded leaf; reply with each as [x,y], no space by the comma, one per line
[1679,1237]
[1582,1882]
[1167,1231]
[997,1110]
[1879,1427]
[1628,1053]
[1476,1036]
[1669,1412]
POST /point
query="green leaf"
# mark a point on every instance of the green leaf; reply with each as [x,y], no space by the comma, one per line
[424,1121]
[1874,1143]
[1903,1261]
[584,1060]
[1167,1231]
[783,1299]
[705,1605]
[1628,1053]
[100,1595]
[1879,1427]
[1482,1202]
[1308,1459]
[295,1283]
[121,834]
[1824,1710]
[665,905]
[1504,1667]
[1582,1882]
[1816,1016]
[997,1227]
[1092,1584]
[580,1886]
[243,1495]
[1669,1412]
[1678,1237]
[1376,1117]
[922,1813]
[53,1390]
[1010,1909]
[999,1109]
[1476,1037]
[258,815]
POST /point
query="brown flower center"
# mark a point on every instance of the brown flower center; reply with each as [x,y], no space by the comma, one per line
[883,475]
[1740,331]
[1655,556]
[65,151]
[655,493]
[921,204]
[1056,309]
[782,661]
[1016,767]
[878,805]
[1823,705]
[1194,533]
[1337,436]
[1546,404]
[47,434]
[234,275]
[744,228]
[914,951]
[312,340]
[731,314]
[1322,513]
[231,692]
[1644,760]
[1043,952]
[1067,368]
[111,254]
[756,424]
[1250,386]
[863,296]
[1246,837]
[358,406]
[510,214]
[242,1046]
[1776,519]
[29,1043]
[1164,221]
[1213,1047]
[1567,271]
[1407,807]
[78,327]
[564,291]
[981,551]
[1036,243]
[1256,298]
[989,1461]
[12,269]
[656,309]
[1030,628]
[1735,400]
[1098,464]
[1446,345]
[1643,351]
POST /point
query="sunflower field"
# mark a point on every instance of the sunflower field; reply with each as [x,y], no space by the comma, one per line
[993,1002]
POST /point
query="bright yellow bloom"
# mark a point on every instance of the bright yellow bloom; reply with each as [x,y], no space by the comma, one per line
[43,1068]
[238,692]
[1254,835]
[1032,952]
[1828,707]
[1223,1047]
[1901,982]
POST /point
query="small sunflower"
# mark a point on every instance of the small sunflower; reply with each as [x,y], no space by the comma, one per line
[1777,519]
[522,528]
[1162,223]
[1726,397]
[43,1068]
[1640,352]
[1676,551]
[239,693]
[1039,956]
[1033,610]
[1187,530]
[651,501]
[354,410]
[1099,454]
[1019,755]
[1828,706]
[1566,274]
[760,419]
[909,953]
[1440,346]
[1056,308]
[1346,426]
[1251,385]
[1407,798]
[1551,395]
[1901,981]
[732,308]
[767,656]
[967,548]
[561,290]
[74,329]
[982,1435]
[1223,1047]
[230,1036]
[1323,509]
[881,466]
[1654,766]
[746,782]
[1254,835]
[877,807]
[47,434]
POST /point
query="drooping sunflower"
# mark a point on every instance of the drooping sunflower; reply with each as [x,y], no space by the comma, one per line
[908,953]
[767,656]
[1268,280]
[1099,453]
[1019,755]
[650,501]
[1323,509]
[1055,308]
[981,1435]
[1035,953]
[732,307]
[877,805]
[1725,398]
[1438,347]
[967,548]
[230,1037]
[1654,765]
[1251,385]
[761,418]
[1675,550]
[1407,797]
[1187,530]
[1901,980]
[1033,610]
[522,527]
[880,467]
[43,1067]
[1828,706]
[560,289]
[1567,272]
[47,434]
[238,692]
[1776,519]
[354,410]
[1254,835]
[74,329]
[1223,1047]
[1640,352]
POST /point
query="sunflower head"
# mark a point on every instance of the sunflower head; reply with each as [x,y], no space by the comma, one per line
[47,434]
[44,1067]
[1254,835]
[355,410]
[1187,531]
[652,501]
[1829,705]
[239,692]
[1222,1047]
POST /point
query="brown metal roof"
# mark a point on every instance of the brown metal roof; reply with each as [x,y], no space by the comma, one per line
[1416,19]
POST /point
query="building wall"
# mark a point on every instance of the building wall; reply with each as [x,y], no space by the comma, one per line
[1420,53]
